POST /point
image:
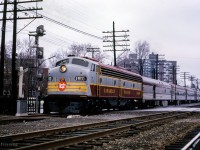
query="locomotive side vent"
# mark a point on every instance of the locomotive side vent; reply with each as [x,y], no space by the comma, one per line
[117,74]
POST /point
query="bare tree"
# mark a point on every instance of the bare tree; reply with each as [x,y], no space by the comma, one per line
[101,56]
[59,54]
[25,57]
[123,58]
[82,50]
[24,52]
[77,50]
[142,50]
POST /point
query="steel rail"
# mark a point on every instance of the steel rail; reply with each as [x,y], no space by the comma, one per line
[77,139]
[22,136]
[188,145]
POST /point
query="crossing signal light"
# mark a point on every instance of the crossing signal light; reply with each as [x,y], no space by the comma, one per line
[40,51]
[40,30]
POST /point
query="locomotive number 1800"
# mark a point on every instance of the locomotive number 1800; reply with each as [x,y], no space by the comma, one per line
[80,78]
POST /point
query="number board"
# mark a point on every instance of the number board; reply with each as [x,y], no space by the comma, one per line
[80,78]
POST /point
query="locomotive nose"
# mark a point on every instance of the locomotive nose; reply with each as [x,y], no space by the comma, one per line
[63,68]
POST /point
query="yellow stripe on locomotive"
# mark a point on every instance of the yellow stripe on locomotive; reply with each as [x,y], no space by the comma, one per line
[70,87]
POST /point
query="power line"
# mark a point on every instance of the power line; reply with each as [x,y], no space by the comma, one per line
[71,28]
[67,26]
[80,19]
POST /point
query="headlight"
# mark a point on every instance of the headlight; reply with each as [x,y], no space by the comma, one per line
[63,68]
[50,78]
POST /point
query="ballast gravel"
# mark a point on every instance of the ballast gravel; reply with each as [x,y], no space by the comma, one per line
[155,138]
[55,122]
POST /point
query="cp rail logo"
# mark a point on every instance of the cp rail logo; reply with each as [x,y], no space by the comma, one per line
[62,84]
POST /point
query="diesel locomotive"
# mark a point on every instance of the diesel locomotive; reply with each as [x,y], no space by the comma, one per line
[84,85]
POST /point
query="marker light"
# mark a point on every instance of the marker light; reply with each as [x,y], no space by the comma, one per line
[63,68]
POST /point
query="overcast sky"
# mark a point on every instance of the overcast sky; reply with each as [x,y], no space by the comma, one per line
[171,27]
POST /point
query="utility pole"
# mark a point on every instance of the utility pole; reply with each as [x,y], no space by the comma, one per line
[14,70]
[197,83]
[114,41]
[156,67]
[174,73]
[114,46]
[156,70]
[3,48]
[153,73]
[191,78]
[184,76]
[92,50]
[15,18]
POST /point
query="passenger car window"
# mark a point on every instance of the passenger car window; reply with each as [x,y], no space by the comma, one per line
[100,80]
[124,84]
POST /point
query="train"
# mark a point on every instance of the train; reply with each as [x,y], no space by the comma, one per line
[85,85]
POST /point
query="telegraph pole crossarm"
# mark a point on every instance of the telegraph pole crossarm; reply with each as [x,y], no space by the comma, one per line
[113,40]
[21,10]
[92,50]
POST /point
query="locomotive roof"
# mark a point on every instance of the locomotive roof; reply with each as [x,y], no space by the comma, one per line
[180,87]
[190,89]
[83,58]
[154,81]
[120,69]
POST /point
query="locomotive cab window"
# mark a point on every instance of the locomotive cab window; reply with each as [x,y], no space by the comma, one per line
[92,68]
[61,62]
[80,62]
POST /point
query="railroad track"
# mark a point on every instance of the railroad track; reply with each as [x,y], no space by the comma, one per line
[32,117]
[190,142]
[13,119]
[69,137]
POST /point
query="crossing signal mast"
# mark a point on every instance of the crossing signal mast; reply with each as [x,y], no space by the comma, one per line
[39,50]
[39,56]
[116,40]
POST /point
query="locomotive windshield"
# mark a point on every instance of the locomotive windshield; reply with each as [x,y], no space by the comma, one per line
[80,62]
[61,62]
